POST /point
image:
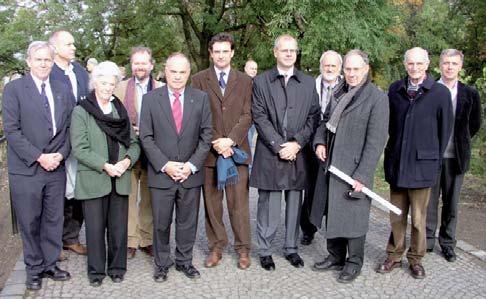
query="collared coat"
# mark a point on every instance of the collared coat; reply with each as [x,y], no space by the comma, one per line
[231,112]
[82,78]
[357,146]
[270,101]
[466,124]
[418,134]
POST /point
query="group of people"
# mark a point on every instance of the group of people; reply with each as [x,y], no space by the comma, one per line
[123,155]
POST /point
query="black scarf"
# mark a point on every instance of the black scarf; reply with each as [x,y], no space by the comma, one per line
[117,129]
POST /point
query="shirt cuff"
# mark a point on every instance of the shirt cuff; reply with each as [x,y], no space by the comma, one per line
[192,167]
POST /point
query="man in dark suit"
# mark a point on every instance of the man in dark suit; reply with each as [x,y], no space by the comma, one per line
[36,118]
[76,80]
[285,110]
[175,132]
[230,94]
[466,123]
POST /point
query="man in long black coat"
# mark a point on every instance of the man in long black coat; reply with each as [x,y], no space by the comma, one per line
[285,110]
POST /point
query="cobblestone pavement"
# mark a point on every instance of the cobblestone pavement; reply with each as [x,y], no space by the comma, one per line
[465,278]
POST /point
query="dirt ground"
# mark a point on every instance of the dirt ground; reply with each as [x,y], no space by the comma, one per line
[471,227]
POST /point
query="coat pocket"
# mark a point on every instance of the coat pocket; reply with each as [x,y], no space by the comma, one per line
[427,165]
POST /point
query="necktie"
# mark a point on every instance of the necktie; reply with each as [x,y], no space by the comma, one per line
[46,102]
[221,82]
[177,112]
[286,77]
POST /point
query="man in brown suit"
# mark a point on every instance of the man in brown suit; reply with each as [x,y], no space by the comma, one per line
[230,95]
[130,92]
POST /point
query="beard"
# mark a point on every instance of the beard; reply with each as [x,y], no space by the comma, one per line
[329,77]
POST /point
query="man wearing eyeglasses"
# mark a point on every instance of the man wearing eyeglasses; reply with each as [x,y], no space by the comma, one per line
[285,111]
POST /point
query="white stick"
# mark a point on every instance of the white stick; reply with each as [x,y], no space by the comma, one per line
[366,191]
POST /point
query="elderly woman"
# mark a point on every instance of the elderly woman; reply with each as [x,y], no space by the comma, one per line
[106,147]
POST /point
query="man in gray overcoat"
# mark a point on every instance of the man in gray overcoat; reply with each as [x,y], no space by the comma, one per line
[351,138]
[285,111]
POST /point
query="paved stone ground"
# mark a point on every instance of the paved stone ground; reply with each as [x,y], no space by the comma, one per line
[466,278]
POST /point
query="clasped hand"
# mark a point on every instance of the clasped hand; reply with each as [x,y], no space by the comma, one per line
[223,146]
[289,150]
[178,171]
[118,169]
[50,161]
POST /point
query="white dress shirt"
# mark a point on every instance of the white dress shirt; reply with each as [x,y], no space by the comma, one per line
[450,151]
[50,99]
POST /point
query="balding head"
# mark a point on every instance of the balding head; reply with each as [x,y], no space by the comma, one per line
[177,71]
[416,61]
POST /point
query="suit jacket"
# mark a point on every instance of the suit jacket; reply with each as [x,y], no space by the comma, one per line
[27,127]
[160,140]
[467,123]
[82,77]
[270,102]
[231,113]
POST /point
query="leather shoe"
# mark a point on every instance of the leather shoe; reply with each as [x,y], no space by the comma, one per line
[131,252]
[244,260]
[417,271]
[149,250]
[430,250]
[95,282]
[160,275]
[56,274]
[295,260]
[76,248]
[328,264]
[388,266]
[348,275]
[188,270]
[116,278]
[213,259]
[267,262]
[34,283]
[306,239]
[449,254]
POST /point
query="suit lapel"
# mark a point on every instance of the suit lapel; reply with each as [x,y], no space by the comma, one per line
[164,102]
[213,83]
[461,97]
[58,104]
[363,96]
[231,83]
[187,109]
[36,97]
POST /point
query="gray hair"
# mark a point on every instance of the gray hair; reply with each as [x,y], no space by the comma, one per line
[421,50]
[92,61]
[330,52]
[55,35]
[105,68]
[37,45]
[358,52]
[177,55]
[284,36]
[450,53]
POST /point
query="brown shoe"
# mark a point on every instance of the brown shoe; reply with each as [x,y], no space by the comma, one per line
[148,250]
[417,271]
[213,259]
[62,256]
[76,248]
[244,261]
[388,265]
[131,252]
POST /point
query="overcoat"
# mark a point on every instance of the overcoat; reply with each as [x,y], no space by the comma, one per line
[418,134]
[357,147]
[271,100]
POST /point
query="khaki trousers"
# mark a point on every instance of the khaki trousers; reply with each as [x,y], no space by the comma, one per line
[140,223]
[416,201]
[238,210]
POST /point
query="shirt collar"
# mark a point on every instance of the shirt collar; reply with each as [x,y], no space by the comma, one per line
[218,71]
[289,73]
[443,83]
[143,84]
[38,82]
[171,93]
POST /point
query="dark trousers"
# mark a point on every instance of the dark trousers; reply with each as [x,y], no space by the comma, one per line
[73,220]
[449,185]
[353,247]
[237,201]
[107,215]
[309,229]
[186,202]
[38,202]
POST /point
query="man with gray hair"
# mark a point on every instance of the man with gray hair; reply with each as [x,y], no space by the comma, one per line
[329,84]
[351,137]
[36,119]
[419,128]
[285,111]
[466,106]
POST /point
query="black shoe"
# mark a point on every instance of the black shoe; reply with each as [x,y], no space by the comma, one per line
[295,260]
[306,239]
[116,278]
[348,275]
[328,264]
[188,270]
[95,282]
[160,274]
[430,250]
[56,274]
[34,283]
[449,254]
[267,262]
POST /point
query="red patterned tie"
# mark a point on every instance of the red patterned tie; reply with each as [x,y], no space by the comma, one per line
[177,112]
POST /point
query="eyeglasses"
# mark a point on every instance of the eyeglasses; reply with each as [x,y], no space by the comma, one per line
[289,51]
